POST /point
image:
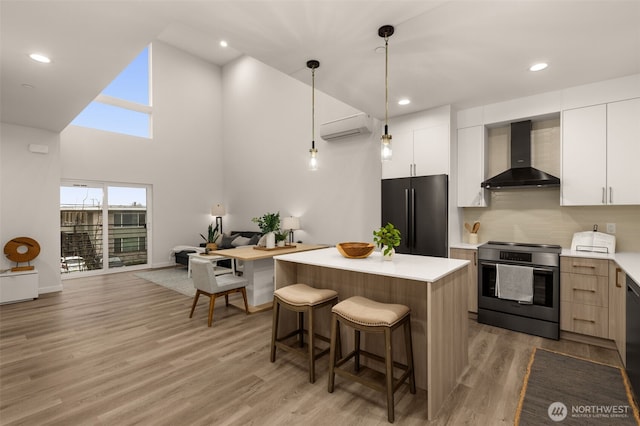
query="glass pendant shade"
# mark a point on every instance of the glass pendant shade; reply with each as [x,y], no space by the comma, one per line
[313,159]
[386,152]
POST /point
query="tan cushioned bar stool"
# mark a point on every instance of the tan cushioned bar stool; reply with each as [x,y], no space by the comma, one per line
[302,299]
[365,315]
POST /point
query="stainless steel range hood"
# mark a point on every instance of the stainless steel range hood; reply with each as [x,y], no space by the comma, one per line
[521,174]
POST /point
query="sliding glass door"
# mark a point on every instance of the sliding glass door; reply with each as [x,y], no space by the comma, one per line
[103,226]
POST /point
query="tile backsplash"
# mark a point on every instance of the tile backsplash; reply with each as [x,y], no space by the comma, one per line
[535,215]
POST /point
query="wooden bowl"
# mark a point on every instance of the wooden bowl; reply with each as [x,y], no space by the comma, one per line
[354,250]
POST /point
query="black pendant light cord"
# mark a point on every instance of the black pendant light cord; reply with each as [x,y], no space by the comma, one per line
[313,64]
[313,107]
[386,31]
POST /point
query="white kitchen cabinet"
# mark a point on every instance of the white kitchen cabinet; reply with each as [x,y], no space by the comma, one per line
[401,163]
[471,166]
[623,152]
[18,286]
[599,144]
[418,152]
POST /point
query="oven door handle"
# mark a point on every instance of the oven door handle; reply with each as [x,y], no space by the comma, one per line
[543,270]
[535,269]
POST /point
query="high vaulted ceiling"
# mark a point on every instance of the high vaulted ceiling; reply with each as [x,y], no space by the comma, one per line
[463,53]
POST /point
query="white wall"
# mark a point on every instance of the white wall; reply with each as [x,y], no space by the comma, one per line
[29,194]
[183,161]
[267,137]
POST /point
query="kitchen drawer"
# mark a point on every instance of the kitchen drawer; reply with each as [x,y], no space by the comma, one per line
[585,266]
[585,319]
[585,289]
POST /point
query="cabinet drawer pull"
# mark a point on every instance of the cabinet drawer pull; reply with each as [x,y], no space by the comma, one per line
[584,289]
[618,283]
[584,266]
[585,320]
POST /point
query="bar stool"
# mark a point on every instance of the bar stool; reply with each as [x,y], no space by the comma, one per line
[365,315]
[302,299]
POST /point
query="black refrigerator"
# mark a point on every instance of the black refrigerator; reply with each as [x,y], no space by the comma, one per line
[418,206]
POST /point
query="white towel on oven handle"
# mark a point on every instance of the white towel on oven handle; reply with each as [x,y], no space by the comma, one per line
[514,283]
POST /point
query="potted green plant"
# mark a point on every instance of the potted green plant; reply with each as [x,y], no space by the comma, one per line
[268,223]
[281,237]
[387,237]
[212,236]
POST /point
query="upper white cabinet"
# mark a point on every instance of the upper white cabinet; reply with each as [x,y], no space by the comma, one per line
[401,163]
[584,154]
[599,146]
[623,152]
[471,166]
[418,152]
[420,143]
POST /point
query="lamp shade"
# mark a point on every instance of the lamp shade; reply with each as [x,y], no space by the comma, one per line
[218,210]
[291,223]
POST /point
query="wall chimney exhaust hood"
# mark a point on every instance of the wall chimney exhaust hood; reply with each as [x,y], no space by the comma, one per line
[521,174]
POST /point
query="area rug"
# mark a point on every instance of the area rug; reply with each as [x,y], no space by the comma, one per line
[172,278]
[565,390]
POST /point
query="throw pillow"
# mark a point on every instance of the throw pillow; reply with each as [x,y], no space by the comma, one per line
[227,240]
[240,241]
[254,240]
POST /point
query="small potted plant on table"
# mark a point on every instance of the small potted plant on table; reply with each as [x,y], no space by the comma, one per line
[387,237]
[269,223]
[281,237]
[212,236]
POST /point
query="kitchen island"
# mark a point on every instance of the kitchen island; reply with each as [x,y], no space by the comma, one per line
[434,288]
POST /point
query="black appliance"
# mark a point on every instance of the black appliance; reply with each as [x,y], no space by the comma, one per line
[633,335]
[540,318]
[418,207]
[521,174]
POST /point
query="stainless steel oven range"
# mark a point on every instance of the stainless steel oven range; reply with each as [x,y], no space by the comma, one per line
[541,317]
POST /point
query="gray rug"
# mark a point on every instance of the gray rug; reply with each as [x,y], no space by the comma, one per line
[563,390]
[174,278]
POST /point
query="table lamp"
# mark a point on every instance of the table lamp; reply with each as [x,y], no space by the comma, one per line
[291,223]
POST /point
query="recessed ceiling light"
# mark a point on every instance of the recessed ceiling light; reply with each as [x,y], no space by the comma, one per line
[223,43]
[538,67]
[404,102]
[40,58]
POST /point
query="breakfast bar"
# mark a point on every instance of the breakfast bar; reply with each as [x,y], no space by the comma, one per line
[432,287]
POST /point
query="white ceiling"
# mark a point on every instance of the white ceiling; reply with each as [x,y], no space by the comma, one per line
[463,53]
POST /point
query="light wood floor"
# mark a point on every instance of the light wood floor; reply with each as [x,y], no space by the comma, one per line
[119,350]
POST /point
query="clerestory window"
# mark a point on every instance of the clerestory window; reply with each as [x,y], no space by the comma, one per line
[125,105]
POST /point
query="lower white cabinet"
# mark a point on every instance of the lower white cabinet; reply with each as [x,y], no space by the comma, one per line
[18,286]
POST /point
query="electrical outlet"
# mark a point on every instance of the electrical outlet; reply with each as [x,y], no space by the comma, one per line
[611,228]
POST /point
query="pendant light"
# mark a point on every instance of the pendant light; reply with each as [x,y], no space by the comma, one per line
[313,152]
[386,31]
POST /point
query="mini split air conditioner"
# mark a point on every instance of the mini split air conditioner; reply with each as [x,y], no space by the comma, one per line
[353,125]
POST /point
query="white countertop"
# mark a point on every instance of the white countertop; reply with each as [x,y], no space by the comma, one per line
[406,266]
[630,263]
[466,246]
